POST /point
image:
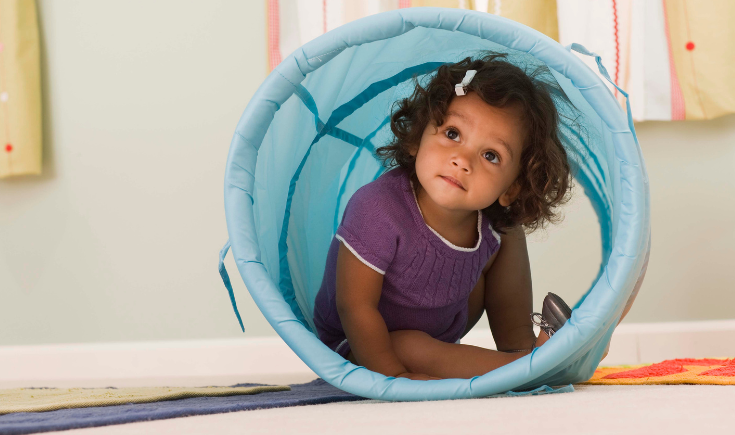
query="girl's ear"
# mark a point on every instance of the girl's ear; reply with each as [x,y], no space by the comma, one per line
[510,194]
[413,150]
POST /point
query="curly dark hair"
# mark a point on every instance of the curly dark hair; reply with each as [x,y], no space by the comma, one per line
[545,177]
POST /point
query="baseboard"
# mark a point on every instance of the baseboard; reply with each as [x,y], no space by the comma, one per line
[269,359]
[644,343]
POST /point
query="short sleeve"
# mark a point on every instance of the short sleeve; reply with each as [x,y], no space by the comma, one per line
[368,230]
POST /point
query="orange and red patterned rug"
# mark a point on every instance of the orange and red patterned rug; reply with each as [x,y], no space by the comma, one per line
[713,371]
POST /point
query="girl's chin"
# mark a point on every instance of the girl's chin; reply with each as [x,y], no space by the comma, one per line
[449,201]
[446,200]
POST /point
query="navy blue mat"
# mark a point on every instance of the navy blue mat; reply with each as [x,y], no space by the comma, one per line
[311,393]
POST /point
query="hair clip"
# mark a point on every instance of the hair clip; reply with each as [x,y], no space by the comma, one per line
[459,88]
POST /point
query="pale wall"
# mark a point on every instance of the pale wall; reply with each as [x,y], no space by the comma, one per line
[118,240]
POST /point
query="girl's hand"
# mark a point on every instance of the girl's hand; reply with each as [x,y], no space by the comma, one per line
[417,376]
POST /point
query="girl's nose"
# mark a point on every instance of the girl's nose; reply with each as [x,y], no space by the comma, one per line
[461,162]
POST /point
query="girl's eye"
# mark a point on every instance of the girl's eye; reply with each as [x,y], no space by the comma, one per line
[492,158]
[452,134]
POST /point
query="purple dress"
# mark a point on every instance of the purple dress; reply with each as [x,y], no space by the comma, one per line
[427,279]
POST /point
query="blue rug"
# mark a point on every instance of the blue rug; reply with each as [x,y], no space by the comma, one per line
[311,393]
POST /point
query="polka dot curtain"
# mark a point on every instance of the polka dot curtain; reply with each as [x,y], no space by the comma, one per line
[674,57]
[20,89]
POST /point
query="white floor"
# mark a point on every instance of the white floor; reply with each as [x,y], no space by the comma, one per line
[620,409]
[647,409]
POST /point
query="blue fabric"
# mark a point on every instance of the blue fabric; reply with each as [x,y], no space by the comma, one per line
[305,143]
[312,393]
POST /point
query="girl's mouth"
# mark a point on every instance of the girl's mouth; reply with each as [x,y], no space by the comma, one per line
[453,182]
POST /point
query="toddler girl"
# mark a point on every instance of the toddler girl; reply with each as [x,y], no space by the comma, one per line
[429,245]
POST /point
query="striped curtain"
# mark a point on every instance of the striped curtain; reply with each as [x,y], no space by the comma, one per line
[676,58]
[292,23]
[20,89]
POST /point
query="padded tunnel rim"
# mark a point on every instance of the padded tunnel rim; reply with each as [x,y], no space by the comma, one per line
[591,320]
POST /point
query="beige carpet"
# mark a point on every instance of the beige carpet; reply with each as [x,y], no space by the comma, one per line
[591,409]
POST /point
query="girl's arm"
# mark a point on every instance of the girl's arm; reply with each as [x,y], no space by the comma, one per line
[358,292]
[509,294]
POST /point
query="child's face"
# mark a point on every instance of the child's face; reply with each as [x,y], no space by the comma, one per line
[469,148]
